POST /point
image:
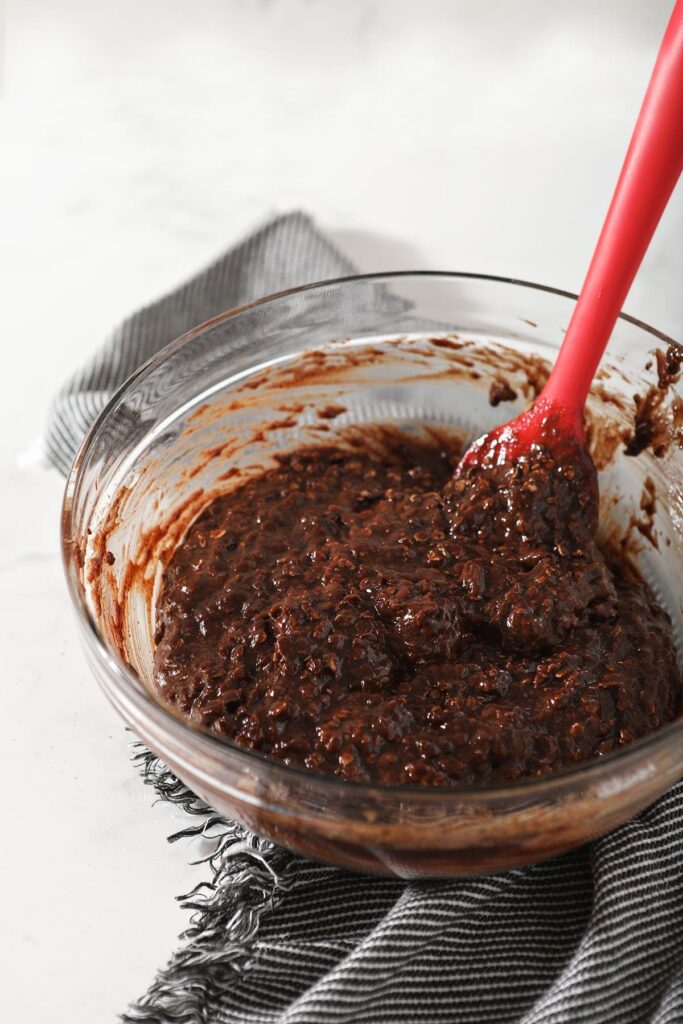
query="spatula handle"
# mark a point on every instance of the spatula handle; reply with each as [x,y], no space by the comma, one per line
[651,169]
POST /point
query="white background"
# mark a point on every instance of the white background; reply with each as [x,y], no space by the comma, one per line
[139,138]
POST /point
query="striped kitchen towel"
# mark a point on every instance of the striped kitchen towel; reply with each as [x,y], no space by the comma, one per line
[595,936]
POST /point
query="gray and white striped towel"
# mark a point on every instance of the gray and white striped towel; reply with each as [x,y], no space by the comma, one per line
[595,936]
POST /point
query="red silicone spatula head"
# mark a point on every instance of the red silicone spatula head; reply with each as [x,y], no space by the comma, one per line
[651,169]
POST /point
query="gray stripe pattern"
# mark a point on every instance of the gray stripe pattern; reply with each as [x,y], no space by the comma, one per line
[595,936]
[286,252]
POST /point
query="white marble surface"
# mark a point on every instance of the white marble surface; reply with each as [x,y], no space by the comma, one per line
[138,140]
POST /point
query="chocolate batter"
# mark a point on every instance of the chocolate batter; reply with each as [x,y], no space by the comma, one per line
[383,619]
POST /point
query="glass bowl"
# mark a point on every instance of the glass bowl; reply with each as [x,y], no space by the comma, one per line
[420,351]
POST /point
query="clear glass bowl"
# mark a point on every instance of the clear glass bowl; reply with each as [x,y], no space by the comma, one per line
[411,349]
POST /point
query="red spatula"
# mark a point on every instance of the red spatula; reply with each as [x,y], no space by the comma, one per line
[651,169]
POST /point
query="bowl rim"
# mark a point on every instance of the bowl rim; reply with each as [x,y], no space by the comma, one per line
[126,676]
